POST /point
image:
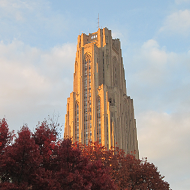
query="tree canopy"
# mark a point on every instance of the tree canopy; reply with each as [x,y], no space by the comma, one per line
[39,160]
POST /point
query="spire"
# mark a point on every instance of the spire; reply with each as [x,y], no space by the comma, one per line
[98,21]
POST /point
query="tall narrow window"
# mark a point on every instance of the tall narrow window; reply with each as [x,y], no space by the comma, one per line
[76,122]
[98,121]
[87,100]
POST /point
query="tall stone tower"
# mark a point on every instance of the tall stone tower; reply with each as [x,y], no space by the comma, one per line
[99,109]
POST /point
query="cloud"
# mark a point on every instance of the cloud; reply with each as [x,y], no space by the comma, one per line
[15,9]
[117,34]
[159,83]
[167,133]
[34,83]
[33,22]
[148,65]
[158,79]
[177,23]
[182,1]
[164,139]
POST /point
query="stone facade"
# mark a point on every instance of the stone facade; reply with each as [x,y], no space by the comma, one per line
[99,109]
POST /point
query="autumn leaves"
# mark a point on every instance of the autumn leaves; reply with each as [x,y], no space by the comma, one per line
[39,160]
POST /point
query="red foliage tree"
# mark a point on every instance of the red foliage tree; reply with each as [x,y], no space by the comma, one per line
[45,137]
[36,161]
[21,161]
[5,135]
[75,171]
[39,161]
[126,171]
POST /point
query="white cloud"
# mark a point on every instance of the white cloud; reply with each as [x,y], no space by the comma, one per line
[164,139]
[20,10]
[31,21]
[163,134]
[14,9]
[182,1]
[117,34]
[159,83]
[177,23]
[158,75]
[34,83]
[150,63]
[153,53]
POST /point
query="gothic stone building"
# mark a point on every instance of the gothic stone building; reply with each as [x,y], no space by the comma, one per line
[99,109]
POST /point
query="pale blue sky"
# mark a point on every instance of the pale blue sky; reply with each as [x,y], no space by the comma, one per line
[37,51]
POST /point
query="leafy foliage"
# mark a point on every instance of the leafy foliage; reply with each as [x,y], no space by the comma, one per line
[5,135]
[126,171]
[40,160]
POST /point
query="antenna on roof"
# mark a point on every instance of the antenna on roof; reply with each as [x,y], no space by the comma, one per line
[98,20]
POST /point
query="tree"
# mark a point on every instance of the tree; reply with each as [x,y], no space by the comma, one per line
[45,137]
[75,171]
[40,160]
[5,135]
[21,160]
[126,171]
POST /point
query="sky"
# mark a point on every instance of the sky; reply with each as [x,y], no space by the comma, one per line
[37,53]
